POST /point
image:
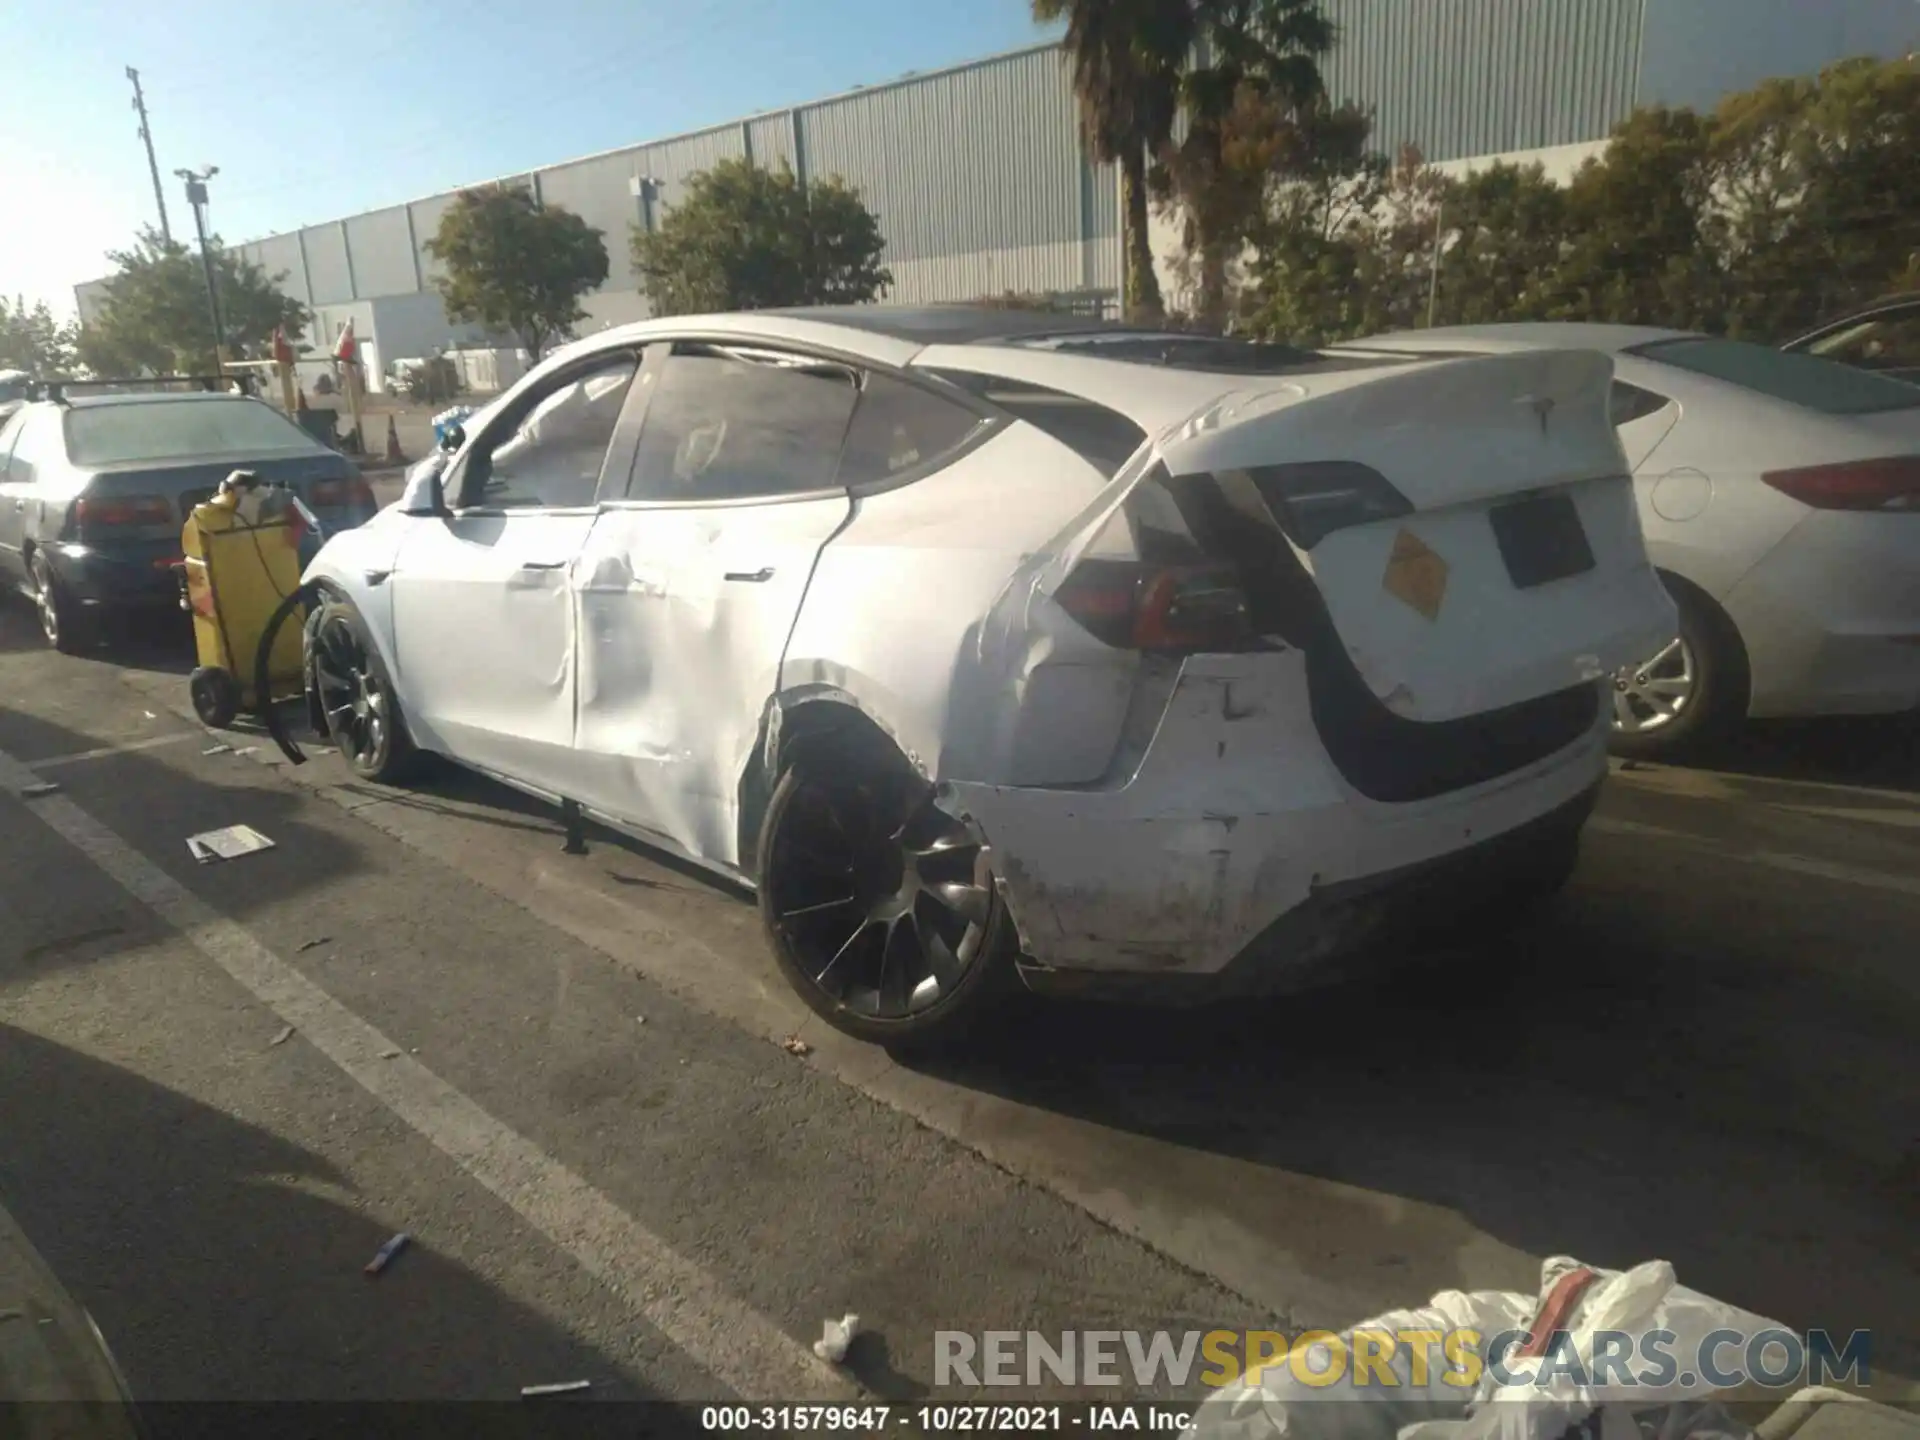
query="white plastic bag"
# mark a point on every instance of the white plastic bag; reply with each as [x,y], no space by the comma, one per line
[1633,1302]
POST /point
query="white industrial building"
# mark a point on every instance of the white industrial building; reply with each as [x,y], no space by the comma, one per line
[981,185]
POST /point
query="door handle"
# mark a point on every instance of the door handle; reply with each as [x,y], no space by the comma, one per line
[751,577]
[543,565]
[376,577]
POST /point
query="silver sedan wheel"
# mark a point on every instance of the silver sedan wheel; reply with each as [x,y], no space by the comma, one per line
[1652,695]
[46,601]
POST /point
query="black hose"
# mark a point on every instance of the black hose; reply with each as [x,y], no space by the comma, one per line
[303,595]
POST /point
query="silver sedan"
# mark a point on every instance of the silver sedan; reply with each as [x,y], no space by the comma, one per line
[1780,496]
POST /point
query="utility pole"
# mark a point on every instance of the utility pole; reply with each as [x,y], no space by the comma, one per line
[197,198]
[153,165]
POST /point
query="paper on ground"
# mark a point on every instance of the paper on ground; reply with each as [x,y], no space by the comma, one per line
[228,844]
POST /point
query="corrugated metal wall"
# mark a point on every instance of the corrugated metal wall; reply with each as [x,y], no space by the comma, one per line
[976,173]
[1479,77]
[976,176]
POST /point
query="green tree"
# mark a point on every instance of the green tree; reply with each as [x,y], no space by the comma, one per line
[1256,77]
[1125,57]
[31,339]
[154,316]
[1816,194]
[1640,248]
[1316,236]
[513,265]
[1503,231]
[747,238]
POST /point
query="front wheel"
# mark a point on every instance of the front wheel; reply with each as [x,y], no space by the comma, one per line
[356,698]
[880,907]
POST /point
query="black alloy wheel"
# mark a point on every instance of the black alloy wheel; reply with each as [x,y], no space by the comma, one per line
[362,716]
[880,906]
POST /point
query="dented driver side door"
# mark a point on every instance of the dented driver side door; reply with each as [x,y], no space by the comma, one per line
[693,576]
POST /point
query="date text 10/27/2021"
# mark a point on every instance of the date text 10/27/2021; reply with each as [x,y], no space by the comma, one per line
[945,1419]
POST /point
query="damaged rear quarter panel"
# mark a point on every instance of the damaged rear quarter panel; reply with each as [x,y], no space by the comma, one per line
[1201,845]
[901,620]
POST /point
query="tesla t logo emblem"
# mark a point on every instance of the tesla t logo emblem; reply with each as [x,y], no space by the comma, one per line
[1542,406]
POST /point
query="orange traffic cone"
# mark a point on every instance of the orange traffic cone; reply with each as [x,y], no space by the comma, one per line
[394,457]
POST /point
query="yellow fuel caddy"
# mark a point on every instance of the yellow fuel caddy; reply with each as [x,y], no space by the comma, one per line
[242,559]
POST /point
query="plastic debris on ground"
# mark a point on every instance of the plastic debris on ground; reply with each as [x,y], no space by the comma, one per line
[835,1337]
[794,1045]
[34,792]
[565,1387]
[384,1256]
[1577,1301]
[313,944]
[218,750]
[228,844]
[282,1038]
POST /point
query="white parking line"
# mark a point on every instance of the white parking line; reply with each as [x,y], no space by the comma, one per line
[734,1344]
[152,742]
[1773,860]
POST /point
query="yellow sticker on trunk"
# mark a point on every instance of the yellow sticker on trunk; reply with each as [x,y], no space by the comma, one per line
[1416,575]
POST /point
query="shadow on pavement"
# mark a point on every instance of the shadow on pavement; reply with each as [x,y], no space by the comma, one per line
[153,808]
[1882,752]
[159,641]
[1592,1085]
[219,1270]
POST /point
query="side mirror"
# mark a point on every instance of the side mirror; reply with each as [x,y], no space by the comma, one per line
[452,438]
[437,492]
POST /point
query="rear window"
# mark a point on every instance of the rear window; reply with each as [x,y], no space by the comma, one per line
[1821,385]
[180,430]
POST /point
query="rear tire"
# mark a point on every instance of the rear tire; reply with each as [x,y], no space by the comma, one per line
[216,696]
[1690,695]
[880,908]
[66,629]
[356,697]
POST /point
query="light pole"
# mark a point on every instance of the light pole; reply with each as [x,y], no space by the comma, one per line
[197,198]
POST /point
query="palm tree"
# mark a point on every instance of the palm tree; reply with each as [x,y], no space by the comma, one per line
[1259,56]
[1126,57]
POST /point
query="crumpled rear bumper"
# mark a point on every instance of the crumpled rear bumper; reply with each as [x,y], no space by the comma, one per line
[1234,820]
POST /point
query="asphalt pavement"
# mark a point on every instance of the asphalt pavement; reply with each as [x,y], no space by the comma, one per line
[564,1078]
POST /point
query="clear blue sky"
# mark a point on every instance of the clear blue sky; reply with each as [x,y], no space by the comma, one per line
[317,111]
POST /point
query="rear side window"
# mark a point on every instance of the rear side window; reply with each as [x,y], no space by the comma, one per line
[1629,403]
[180,430]
[722,425]
[34,440]
[899,428]
[1105,438]
[1814,384]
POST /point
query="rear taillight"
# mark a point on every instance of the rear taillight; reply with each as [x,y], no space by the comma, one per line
[1891,482]
[117,511]
[1312,500]
[1182,608]
[343,492]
